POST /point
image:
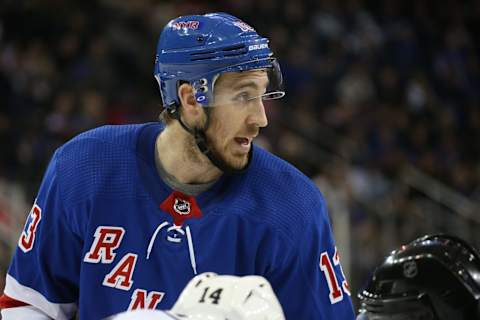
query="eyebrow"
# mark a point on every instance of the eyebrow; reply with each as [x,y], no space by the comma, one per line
[242,85]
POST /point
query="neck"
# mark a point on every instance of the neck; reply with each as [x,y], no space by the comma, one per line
[181,158]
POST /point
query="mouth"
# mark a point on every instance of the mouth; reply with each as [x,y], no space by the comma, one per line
[244,143]
[243,140]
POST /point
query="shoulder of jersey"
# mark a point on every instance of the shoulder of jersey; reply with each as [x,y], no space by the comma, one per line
[101,161]
[283,176]
[121,135]
[275,192]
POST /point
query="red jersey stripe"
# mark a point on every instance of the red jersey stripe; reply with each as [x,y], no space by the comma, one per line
[6,302]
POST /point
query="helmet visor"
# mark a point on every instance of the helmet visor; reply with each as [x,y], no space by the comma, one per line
[408,315]
[243,84]
[410,307]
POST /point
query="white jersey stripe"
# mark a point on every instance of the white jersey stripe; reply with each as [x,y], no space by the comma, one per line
[60,311]
[144,314]
[22,313]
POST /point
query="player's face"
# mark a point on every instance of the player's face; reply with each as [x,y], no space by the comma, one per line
[237,116]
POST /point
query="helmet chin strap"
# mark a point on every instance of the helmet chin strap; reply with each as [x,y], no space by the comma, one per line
[202,143]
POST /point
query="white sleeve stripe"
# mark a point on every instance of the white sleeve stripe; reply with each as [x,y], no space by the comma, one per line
[144,314]
[21,313]
[60,311]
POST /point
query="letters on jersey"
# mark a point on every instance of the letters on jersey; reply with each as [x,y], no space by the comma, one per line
[106,240]
[143,300]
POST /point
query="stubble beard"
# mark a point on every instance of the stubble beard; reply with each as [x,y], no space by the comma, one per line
[220,148]
[228,159]
[220,151]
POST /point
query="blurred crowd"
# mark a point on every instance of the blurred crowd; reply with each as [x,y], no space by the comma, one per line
[372,86]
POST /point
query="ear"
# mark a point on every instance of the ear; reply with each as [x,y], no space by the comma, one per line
[192,111]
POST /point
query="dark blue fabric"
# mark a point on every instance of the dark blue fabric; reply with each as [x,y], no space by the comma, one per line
[270,221]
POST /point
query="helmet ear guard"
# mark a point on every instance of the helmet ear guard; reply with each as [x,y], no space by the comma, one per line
[433,277]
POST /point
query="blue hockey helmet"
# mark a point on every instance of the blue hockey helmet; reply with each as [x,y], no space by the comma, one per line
[196,49]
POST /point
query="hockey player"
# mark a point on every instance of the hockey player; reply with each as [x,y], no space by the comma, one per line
[435,277]
[212,297]
[127,215]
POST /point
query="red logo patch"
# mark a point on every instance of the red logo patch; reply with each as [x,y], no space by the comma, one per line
[181,207]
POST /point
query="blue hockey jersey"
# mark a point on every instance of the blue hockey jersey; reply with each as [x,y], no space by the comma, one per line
[106,234]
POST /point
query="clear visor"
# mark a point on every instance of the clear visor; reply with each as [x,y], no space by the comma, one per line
[243,84]
[400,308]
[408,315]
[275,89]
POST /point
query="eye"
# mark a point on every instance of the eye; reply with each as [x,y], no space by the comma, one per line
[242,97]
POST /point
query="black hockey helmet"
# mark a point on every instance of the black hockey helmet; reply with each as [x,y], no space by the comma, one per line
[434,277]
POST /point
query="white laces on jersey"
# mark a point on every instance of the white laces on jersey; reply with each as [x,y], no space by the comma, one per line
[176,230]
[154,236]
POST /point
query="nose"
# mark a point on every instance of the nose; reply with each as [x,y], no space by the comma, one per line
[258,116]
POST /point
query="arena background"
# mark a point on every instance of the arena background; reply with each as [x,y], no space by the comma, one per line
[382,107]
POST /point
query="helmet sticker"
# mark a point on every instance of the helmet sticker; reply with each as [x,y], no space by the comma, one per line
[243,26]
[193,24]
[410,269]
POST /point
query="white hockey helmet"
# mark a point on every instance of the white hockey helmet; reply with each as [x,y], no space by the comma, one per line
[142,314]
[219,297]
[209,296]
